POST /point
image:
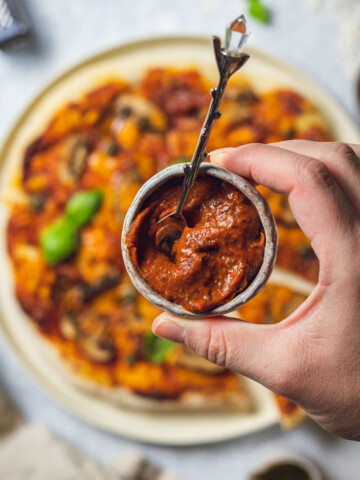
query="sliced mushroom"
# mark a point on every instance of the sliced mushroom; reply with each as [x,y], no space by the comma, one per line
[78,157]
[128,104]
[141,109]
[109,280]
[75,153]
[92,335]
[100,349]
[73,296]
[68,326]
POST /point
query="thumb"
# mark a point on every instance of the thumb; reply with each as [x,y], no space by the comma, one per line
[256,351]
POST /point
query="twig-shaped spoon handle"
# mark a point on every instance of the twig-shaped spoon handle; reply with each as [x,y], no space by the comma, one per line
[227,65]
[229,60]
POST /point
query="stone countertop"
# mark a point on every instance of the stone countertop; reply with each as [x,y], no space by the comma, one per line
[66,32]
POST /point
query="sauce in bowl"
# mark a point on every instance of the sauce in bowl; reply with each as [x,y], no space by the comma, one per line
[218,254]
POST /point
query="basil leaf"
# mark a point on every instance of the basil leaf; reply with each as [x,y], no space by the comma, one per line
[156,348]
[259,11]
[58,241]
[82,206]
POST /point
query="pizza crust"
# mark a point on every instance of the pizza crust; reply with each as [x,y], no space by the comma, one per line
[239,400]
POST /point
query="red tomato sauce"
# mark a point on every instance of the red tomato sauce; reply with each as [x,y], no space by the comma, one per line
[218,254]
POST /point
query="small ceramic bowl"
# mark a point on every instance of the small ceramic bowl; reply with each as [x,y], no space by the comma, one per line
[266,217]
[273,457]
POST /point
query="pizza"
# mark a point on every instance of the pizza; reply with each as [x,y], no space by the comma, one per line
[98,151]
[271,305]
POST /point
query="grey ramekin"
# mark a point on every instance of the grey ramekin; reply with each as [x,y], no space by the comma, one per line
[266,217]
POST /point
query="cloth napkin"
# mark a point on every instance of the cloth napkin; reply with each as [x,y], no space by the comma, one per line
[33,452]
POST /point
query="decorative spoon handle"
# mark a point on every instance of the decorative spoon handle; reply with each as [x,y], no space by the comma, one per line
[229,60]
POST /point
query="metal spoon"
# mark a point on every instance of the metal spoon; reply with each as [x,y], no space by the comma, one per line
[229,60]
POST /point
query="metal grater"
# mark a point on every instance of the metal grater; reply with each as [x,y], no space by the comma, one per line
[13,27]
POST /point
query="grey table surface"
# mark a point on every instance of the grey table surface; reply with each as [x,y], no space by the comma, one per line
[66,31]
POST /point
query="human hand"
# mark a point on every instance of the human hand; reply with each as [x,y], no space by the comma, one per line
[313,356]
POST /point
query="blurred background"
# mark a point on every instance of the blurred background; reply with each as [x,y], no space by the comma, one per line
[320,38]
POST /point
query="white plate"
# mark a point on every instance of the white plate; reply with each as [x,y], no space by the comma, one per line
[130,61]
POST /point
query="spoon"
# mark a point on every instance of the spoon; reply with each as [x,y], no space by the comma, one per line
[229,60]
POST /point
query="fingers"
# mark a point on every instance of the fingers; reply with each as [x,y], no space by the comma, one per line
[318,203]
[341,159]
[256,351]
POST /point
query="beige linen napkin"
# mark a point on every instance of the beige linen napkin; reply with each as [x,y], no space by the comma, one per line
[32,452]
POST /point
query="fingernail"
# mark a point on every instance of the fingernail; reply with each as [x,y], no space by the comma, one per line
[217,156]
[165,328]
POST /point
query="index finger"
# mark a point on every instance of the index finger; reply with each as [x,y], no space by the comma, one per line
[319,206]
[341,159]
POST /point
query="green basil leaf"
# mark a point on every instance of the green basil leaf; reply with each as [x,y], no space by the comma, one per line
[58,241]
[156,348]
[82,206]
[259,11]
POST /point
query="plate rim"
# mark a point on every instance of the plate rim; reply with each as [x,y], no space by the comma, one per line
[51,82]
[70,67]
[149,438]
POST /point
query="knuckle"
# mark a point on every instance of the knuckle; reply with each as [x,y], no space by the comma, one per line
[215,349]
[344,151]
[317,172]
[316,168]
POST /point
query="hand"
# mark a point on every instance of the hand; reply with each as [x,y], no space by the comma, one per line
[313,356]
